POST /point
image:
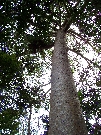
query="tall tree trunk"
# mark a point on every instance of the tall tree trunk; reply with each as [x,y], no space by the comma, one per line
[65,113]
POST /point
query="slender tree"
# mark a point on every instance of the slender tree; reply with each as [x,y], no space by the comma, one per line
[29,122]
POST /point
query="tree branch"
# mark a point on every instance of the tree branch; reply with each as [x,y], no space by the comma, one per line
[46,93]
[86,41]
[66,24]
[89,61]
[43,97]
[78,2]
[85,4]
[72,16]
[67,10]
[68,21]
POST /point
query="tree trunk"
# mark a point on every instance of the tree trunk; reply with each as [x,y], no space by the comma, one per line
[29,121]
[65,113]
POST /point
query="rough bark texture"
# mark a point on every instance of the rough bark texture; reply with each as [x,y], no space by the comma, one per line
[65,113]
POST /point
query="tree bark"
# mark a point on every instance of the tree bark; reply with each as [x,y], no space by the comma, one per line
[65,113]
